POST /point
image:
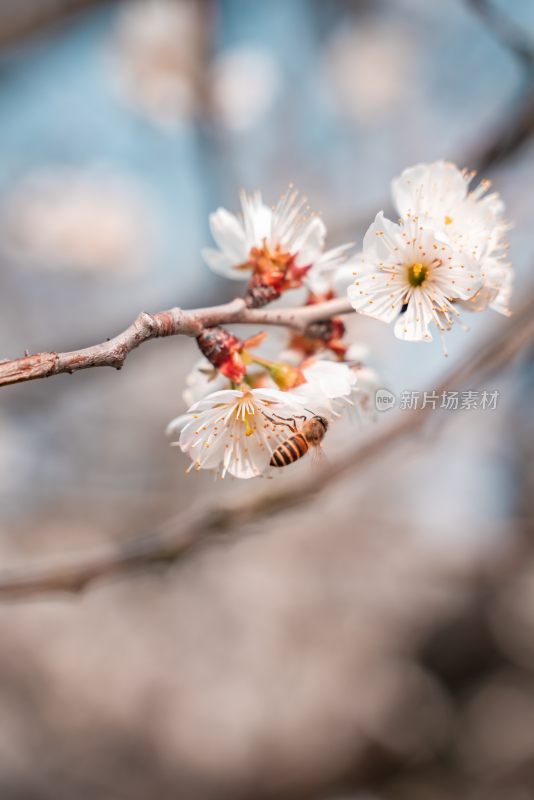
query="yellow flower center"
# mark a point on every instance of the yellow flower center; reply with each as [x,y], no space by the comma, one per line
[448,220]
[417,273]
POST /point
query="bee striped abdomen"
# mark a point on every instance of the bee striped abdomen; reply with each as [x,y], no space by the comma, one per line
[289,451]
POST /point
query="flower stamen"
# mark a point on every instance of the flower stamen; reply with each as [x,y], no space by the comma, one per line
[417,273]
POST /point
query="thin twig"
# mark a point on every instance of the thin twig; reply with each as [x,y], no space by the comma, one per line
[180,535]
[173,322]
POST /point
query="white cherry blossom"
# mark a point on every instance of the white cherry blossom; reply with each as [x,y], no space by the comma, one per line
[410,274]
[328,387]
[277,239]
[438,194]
[235,431]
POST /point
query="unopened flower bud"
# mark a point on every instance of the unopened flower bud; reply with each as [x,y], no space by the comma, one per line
[319,336]
[223,350]
[326,330]
[286,376]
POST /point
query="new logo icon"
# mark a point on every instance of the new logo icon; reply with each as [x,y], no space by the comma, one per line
[384,400]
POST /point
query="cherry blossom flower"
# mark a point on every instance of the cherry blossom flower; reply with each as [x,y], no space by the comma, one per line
[410,274]
[327,388]
[276,248]
[474,222]
[235,431]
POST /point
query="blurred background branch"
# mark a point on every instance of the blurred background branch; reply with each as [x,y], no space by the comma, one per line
[19,21]
[518,121]
[506,31]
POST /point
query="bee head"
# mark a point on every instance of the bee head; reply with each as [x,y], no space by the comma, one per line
[322,420]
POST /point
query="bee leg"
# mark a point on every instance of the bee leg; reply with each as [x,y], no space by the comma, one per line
[286,422]
[289,419]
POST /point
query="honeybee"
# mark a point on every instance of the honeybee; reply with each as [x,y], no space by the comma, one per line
[310,434]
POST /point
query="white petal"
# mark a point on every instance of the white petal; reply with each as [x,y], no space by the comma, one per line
[321,278]
[257,220]
[413,324]
[223,397]
[433,190]
[328,387]
[501,303]
[175,426]
[377,294]
[310,242]
[229,235]
[344,276]
[287,220]
[222,264]
[381,238]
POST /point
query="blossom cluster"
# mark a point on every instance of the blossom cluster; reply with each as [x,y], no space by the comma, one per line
[446,253]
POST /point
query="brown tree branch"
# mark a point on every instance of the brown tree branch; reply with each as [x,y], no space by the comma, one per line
[173,322]
[180,535]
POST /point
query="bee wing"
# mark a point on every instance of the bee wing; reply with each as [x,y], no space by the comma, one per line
[319,457]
